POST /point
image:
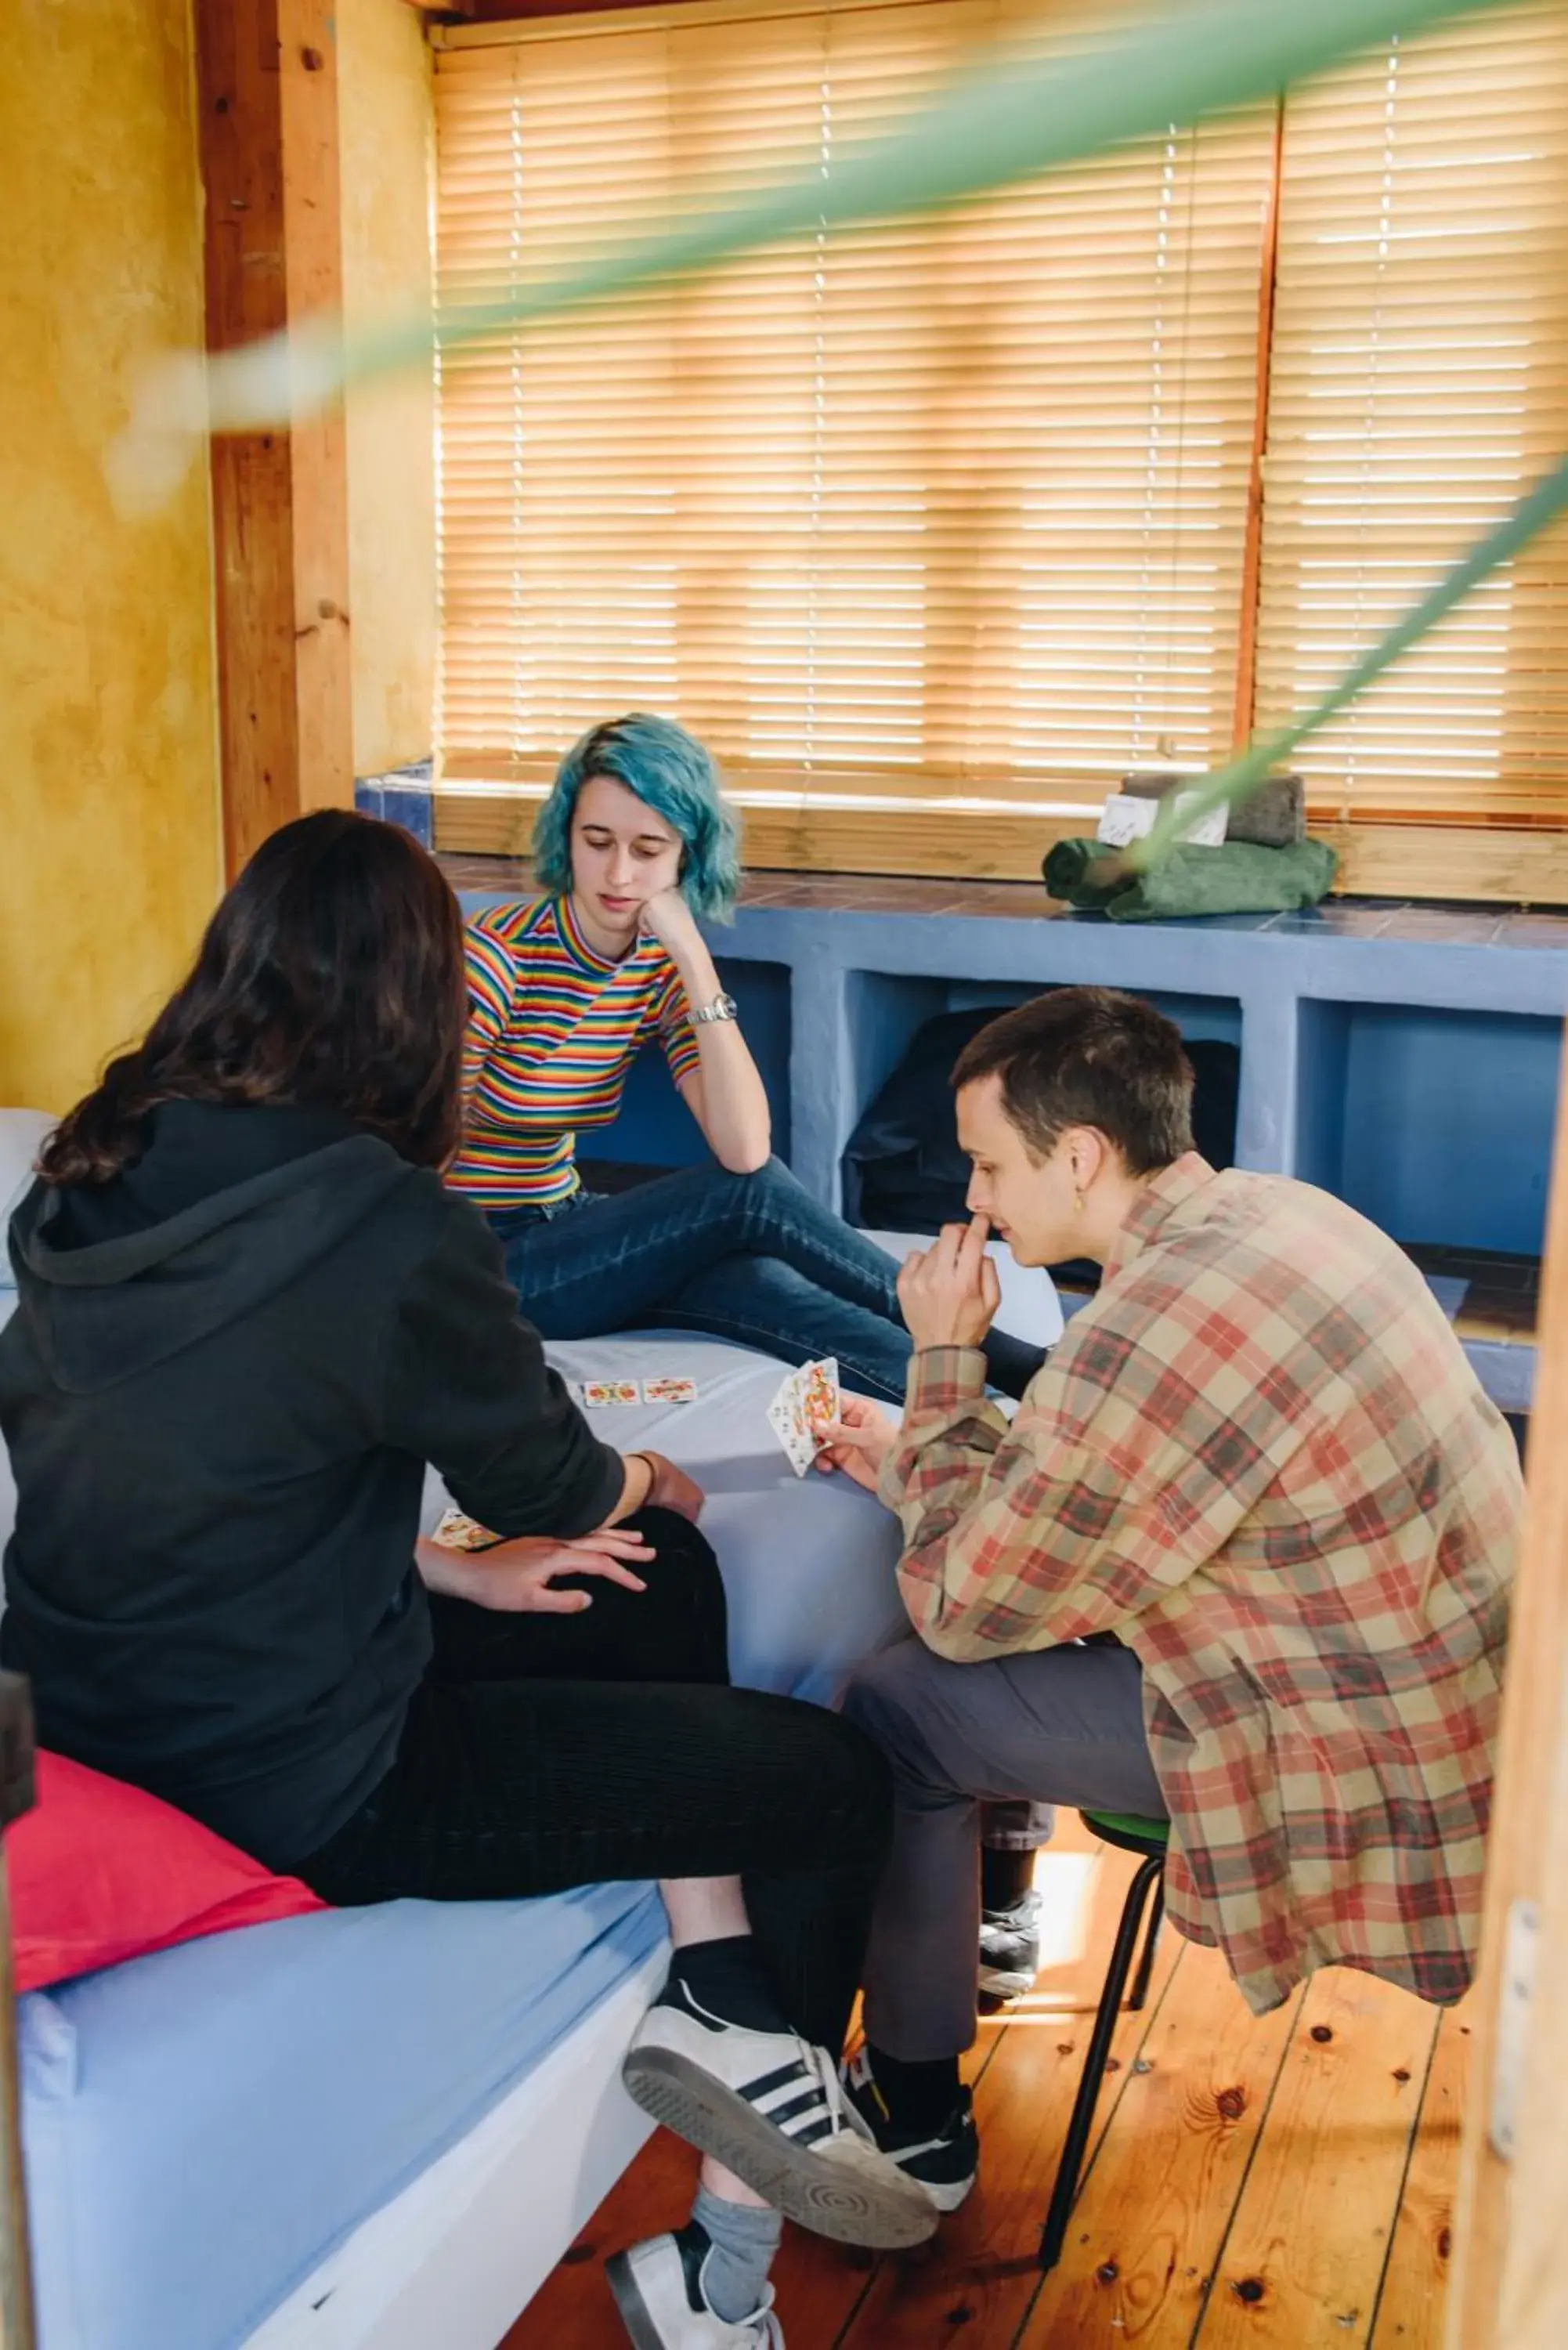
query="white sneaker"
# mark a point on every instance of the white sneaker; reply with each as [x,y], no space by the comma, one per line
[658,2288]
[945,2165]
[770,2108]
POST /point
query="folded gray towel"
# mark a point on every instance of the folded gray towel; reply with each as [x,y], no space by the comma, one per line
[1273,817]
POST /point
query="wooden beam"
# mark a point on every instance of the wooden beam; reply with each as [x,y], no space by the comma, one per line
[1484,864]
[1510,2287]
[267,90]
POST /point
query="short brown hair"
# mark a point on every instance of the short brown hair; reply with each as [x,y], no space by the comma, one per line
[332,973]
[1089,1057]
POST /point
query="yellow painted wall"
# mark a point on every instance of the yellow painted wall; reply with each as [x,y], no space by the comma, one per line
[384,125]
[109,844]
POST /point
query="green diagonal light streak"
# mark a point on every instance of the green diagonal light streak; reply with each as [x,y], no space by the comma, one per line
[1013,118]
[1230,784]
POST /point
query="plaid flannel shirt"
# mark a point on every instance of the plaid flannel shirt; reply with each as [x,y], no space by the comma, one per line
[1261,1459]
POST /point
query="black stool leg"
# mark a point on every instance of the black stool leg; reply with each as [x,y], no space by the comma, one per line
[1053,2234]
[1139,1991]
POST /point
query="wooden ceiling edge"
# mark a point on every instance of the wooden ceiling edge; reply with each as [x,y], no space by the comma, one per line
[508,12]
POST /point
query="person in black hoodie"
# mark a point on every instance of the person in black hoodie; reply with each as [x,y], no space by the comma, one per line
[249,1315]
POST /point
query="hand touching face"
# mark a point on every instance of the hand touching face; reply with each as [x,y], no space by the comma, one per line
[950,1293]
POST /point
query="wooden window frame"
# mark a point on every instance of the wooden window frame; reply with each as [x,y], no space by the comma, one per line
[266,95]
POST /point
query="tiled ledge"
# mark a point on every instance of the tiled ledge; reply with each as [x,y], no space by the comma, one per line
[1413,923]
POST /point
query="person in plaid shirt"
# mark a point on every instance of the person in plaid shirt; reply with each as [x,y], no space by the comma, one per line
[1242,1559]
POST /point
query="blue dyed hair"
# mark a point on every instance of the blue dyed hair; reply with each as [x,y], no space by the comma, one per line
[671,774]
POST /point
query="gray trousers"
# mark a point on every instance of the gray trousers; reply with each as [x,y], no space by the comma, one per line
[1060,1726]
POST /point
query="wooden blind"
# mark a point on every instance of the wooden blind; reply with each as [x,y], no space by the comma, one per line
[1419,384]
[929,532]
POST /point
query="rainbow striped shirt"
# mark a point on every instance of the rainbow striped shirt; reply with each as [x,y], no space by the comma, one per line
[553,1029]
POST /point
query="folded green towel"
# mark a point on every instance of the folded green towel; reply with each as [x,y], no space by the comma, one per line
[1236,878]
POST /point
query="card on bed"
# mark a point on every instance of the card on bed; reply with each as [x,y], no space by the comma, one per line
[600,1393]
[669,1390]
[803,1411]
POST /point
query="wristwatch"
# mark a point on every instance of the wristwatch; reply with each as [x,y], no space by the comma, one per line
[723,1007]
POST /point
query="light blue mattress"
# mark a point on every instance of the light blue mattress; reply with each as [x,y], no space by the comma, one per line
[205,2126]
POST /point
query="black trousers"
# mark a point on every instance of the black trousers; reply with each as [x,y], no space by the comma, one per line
[543,1752]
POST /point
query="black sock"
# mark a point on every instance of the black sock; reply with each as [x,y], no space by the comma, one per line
[728,1979]
[917,2097]
[1004,1878]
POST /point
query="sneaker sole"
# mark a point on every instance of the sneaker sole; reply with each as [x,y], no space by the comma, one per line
[818,2195]
[634,2315]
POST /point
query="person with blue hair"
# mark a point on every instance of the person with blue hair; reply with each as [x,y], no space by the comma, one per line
[635,845]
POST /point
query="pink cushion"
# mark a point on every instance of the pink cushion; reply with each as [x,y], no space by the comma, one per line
[99,1872]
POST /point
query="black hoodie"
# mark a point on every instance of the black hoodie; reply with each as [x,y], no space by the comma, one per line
[224,1376]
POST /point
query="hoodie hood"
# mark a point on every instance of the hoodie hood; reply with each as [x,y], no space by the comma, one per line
[100,1310]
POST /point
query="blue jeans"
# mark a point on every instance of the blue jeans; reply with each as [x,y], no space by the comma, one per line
[748,1257]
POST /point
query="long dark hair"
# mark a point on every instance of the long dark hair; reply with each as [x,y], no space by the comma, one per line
[332,973]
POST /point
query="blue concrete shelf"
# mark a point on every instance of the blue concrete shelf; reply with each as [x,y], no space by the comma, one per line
[1403,1057]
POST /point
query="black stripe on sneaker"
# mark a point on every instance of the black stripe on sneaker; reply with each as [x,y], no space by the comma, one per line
[768,2085]
[809,2101]
[814,2131]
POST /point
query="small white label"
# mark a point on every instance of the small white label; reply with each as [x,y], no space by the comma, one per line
[1521,1944]
[1125,819]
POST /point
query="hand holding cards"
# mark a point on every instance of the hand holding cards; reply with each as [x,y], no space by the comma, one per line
[863,1438]
[803,1411]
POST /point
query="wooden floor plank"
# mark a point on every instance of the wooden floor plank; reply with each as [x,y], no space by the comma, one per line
[977,2278]
[820,2285]
[1153,2212]
[1287,2201]
[1301,2265]
[1410,2309]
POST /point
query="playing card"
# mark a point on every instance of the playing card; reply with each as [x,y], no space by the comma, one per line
[788,1423]
[669,1390]
[456,1532]
[819,1400]
[803,1411]
[598,1393]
